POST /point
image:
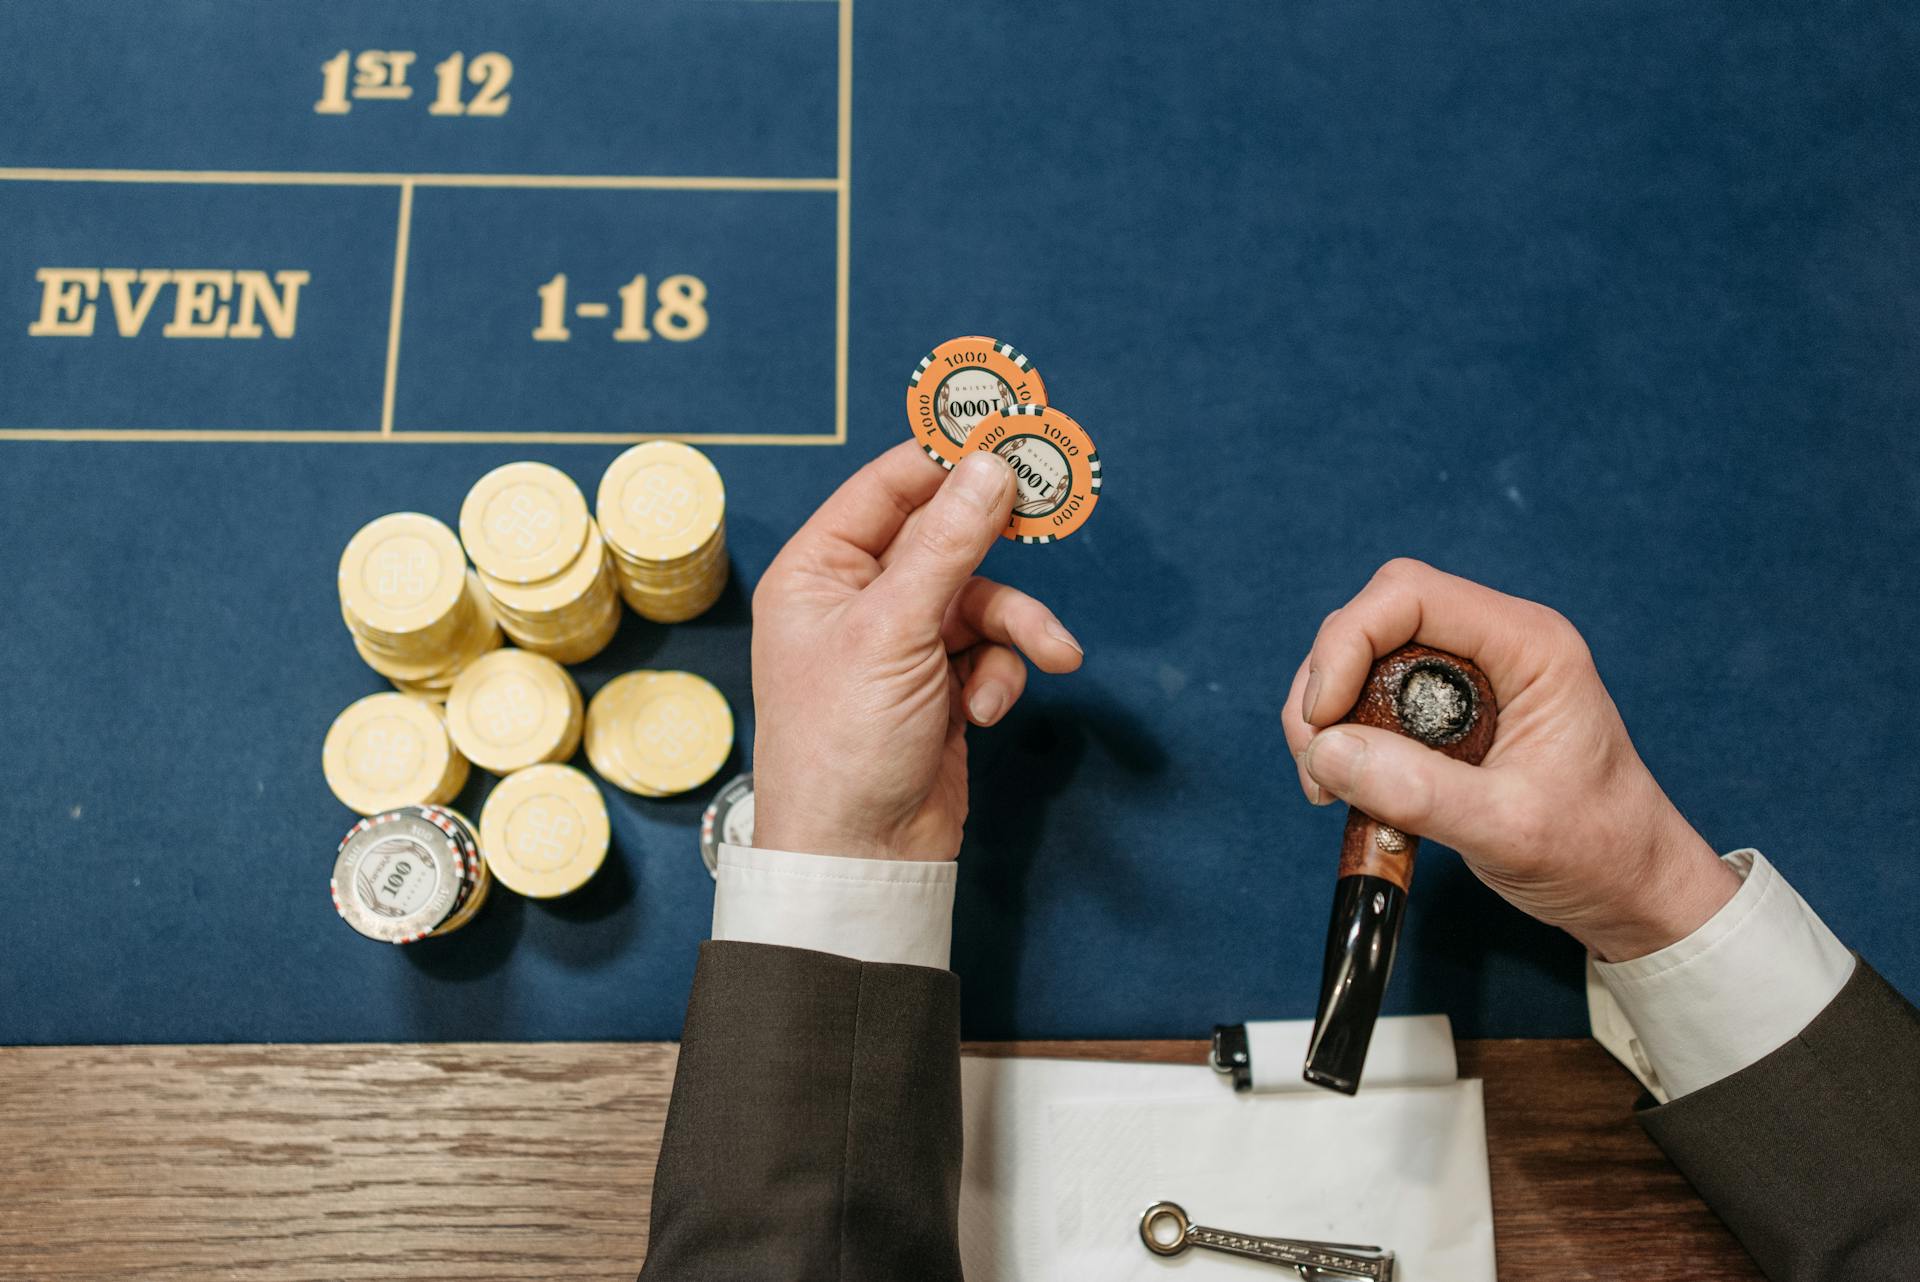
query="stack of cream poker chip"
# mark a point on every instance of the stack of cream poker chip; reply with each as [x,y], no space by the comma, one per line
[408,873]
[513,709]
[662,509]
[542,561]
[545,830]
[417,615]
[658,734]
[392,750]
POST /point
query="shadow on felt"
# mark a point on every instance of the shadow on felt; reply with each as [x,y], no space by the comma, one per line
[1456,926]
[1020,767]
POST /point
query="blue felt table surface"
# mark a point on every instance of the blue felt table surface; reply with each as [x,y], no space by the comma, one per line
[1613,305]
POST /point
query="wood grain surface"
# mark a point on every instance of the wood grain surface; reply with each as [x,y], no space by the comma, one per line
[535,1162]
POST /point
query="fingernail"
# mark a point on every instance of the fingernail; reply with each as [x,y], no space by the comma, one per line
[980,479]
[1336,760]
[988,705]
[1316,795]
[1060,634]
[1311,695]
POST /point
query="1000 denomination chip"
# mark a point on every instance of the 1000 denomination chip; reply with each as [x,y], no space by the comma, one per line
[960,383]
[1056,470]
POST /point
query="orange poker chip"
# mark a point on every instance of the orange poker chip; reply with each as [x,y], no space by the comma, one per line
[1056,471]
[959,384]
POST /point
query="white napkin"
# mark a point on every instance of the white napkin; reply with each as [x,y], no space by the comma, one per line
[1063,1155]
[1405,1050]
[1403,1168]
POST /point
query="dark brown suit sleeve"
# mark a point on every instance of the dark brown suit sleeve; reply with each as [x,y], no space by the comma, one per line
[1812,1155]
[814,1132]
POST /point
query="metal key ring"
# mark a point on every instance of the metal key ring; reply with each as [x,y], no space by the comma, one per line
[1165,1211]
[1312,1261]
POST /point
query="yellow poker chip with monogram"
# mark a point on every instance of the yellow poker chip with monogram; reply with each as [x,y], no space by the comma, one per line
[659,733]
[565,589]
[661,501]
[598,737]
[677,732]
[391,750]
[401,573]
[545,831]
[961,382]
[524,522]
[511,709]
[1056,470]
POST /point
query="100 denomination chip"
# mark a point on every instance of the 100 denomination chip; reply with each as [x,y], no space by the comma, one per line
[398,876]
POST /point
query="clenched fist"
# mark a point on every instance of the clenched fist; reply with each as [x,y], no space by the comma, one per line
[1562,818]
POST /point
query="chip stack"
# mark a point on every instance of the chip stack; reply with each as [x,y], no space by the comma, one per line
[512,709]
[658,734]
[417,615]
[479,872]
[391,750]
[662,509]
[545,830]
[408,873]
[569,618]
[728,820]
[542,561]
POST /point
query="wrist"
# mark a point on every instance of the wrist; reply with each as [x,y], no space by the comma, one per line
[1684,885]
[808,840]
[783,823]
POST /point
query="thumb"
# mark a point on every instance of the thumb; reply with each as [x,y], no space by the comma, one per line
[1408,785]
[951,538]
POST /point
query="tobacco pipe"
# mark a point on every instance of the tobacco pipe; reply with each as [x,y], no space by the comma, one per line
[1445,702]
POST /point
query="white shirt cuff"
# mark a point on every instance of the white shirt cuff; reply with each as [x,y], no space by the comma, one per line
[879,910]
[1743,985]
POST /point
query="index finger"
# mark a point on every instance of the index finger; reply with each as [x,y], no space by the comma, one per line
[1405,601]
[1299,735]
[870,506]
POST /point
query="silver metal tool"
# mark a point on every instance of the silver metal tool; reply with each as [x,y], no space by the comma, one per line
[1313,1261]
